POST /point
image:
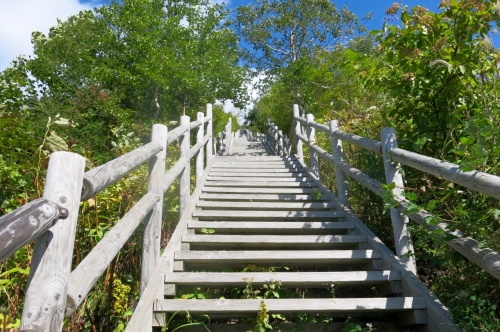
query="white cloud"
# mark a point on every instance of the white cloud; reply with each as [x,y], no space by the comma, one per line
[19,18]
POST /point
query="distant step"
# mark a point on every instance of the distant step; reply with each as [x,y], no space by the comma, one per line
[224,215]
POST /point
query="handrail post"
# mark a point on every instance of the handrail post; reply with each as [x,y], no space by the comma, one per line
[338,156]
[298,131]
[402,236]
[210,144]
[281,146]
[184,182]
[229,127]
[311,137]
[45,299]
[200,137]
[152,230]
[276,138]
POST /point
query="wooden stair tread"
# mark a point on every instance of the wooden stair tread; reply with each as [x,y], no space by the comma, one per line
[281,205]
[230,174]
[345,305]
[260,197]
[258,179]
[287,279]
[277,258]
[224,240]
[266,215]
[276,171]
[262,190]
[268,184]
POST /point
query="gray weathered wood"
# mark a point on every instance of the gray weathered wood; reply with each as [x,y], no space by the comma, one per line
[26,224]
[256,179]
[298,131]
[210,145]
[277,258]
[346,305]
[282,205]
[361,142]
[402,236]
[152,229]
[200,139]
[481,182]
[91,268]
[266,215]
[257,198]
[256,175]
[338,156]
[286,279]
[45,299]
[140,320]
[261,190]
[105,175]
[311,138]
[185,177]
[273,227]
[175,134]
[229,242]
[269,184]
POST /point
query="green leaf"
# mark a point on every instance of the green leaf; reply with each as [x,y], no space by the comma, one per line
[56,143]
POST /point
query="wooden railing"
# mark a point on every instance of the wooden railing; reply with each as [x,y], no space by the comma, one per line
[53,291]
[487,184]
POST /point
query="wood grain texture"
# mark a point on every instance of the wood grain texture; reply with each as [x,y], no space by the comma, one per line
[282,205]
[45,300]
[401,234]
[91,268]
[105,175]
[152,222]
[26,224]
[266,215]
[322,306]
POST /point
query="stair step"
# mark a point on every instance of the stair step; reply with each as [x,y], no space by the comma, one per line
[229,174]
[282,205]
[322,306]
[262,190]
[266,215]
[285,258]
[269,227]
[231,242]
[269,184]
[257,166]
[257,198]
[278,171]
[258,179]
[286,279]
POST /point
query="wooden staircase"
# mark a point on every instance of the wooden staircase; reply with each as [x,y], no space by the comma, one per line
[266,241]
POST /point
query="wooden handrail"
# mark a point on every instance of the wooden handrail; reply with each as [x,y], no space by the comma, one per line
[488,184]
[65,187]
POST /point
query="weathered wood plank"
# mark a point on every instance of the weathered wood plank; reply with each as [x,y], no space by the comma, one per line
[323,306]
[237,171]
[266,227]
[282,205]
[26,224]
[91,268]
[45,299]
[258,198]
[257,179]
[230,242]
[105,175]
[286,191]
[185,176]
[266,215]
[287,279]
[269,184]
[152,229]
[228,174]
[277,258]
[481,182]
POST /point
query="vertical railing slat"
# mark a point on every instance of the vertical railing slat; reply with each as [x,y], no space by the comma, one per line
[311,137]
[210,146]
[185,181]
[298,131]
[152,231]
[338,156]
[200,138]
[45,300]
[402,237]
